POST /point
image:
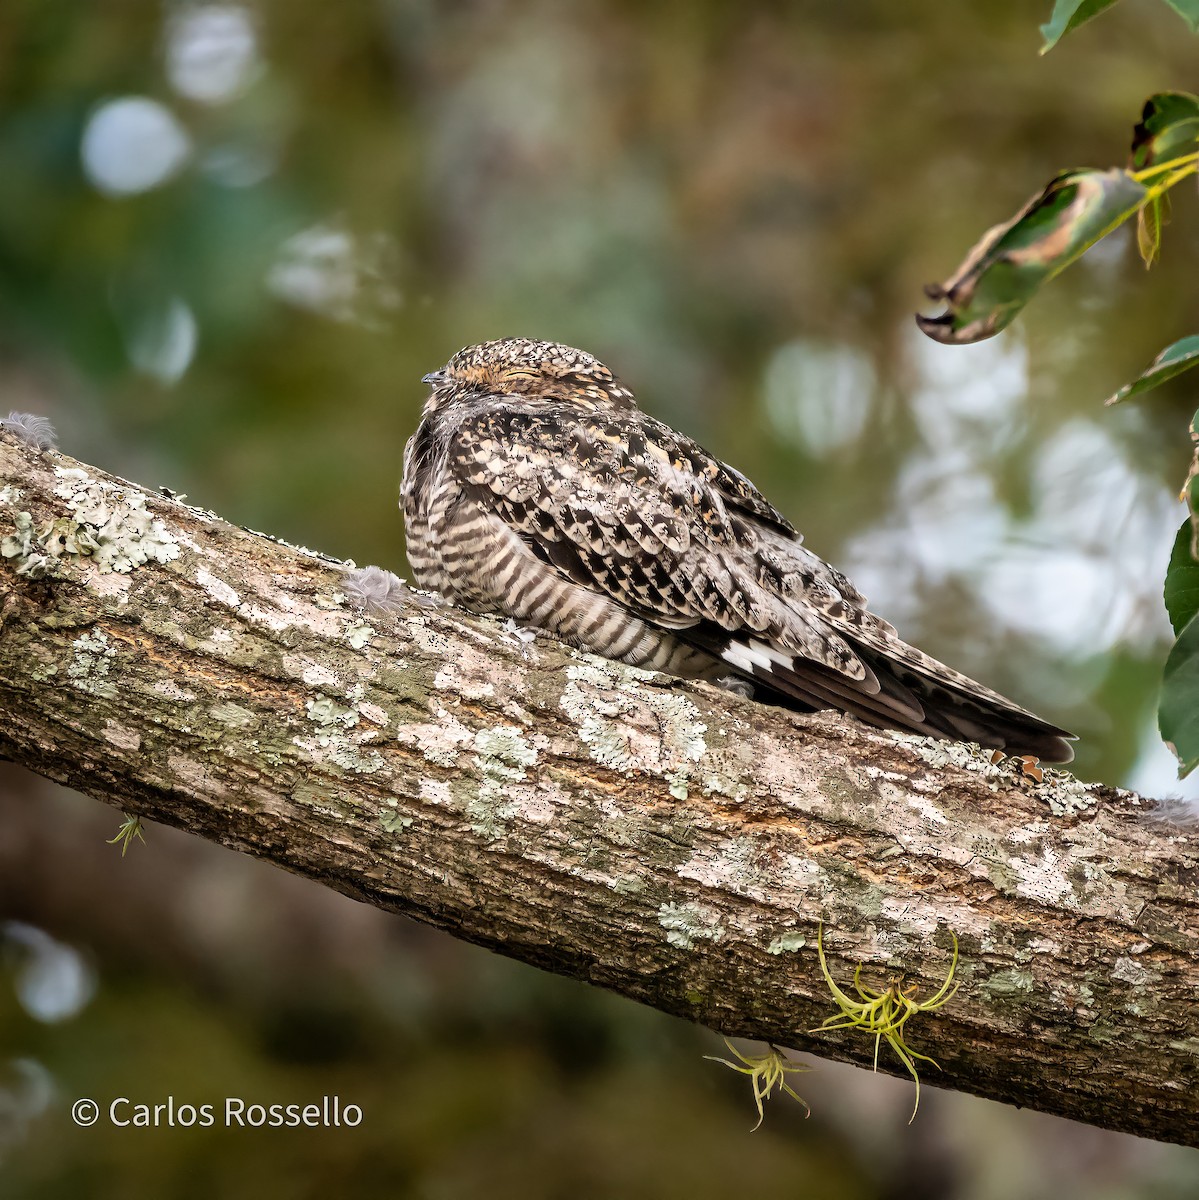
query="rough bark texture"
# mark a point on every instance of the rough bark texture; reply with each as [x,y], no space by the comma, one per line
[674,843]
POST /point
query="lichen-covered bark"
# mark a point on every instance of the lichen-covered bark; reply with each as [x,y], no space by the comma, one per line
[674,843]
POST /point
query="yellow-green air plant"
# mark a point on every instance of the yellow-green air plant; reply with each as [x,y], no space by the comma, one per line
[766,1073]
[884,1014]
[131,827]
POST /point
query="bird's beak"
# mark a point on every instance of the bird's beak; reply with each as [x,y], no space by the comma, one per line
[434,378]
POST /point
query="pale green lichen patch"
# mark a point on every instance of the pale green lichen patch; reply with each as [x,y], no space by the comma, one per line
[390,819]
[1006,984]
[325,711]
[719,784]
[110,524]
[591,713]
[787,942]
[489,810]
[937,753]
[607,740]
[505,745]
[43,667]
[334,743]
[596,698]
[90,664]
[501,755]
[359,634]
[689,922]
[338,747]
[351,757]
[1065,795]
[20,545]
[392,822]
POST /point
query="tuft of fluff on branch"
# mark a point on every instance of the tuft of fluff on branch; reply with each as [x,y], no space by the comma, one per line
[32,429]
[375,591]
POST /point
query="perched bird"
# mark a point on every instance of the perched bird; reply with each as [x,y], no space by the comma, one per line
[534,487]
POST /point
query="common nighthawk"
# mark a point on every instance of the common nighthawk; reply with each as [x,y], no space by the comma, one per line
[534,487]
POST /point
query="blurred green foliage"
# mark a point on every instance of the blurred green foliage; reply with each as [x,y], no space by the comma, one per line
[1010,262]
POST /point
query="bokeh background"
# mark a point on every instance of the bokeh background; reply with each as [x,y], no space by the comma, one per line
[232,239]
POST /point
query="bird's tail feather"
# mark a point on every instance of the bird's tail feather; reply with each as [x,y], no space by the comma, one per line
[910,696]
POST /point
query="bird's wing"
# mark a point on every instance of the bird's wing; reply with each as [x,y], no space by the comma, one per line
[626,506]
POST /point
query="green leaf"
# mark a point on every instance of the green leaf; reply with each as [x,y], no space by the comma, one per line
[1169,128]
[1181,592]
[1190,489]
[1149,230]
[1178,710]
[1188,10]
[1068,15]
[1173,360]
[1001,273]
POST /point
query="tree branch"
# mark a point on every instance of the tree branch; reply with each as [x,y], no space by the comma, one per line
[674,843]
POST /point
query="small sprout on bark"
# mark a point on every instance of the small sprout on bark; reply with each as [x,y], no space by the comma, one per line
[131,827]
[766,1072]
[884,1014]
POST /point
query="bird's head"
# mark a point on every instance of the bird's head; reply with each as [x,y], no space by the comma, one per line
[527,368]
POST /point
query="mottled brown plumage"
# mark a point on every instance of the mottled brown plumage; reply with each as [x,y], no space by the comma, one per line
[534,487]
